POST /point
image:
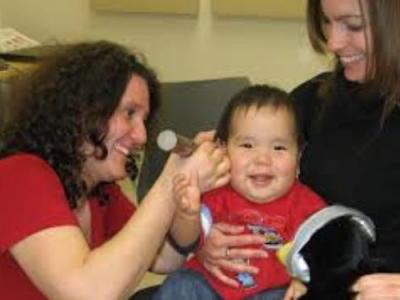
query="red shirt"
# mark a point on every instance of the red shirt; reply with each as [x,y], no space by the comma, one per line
[32,199]
[277,220]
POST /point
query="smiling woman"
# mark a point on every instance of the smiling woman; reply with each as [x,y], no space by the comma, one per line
[348,36]
[70,233]
[362,96]
[351,124]
[126,135]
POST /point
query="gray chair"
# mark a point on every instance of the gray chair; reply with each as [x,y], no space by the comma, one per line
[187,107]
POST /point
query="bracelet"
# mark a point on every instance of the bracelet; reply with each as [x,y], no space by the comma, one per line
[183,250]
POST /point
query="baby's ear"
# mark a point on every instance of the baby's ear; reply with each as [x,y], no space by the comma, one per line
[298,163]
[283,252]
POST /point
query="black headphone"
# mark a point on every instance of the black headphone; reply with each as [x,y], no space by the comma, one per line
[295,262]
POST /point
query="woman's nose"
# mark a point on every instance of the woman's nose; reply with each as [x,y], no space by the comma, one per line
[336,38]
[139,133]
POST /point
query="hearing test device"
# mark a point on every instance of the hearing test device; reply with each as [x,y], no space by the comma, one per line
[170,141]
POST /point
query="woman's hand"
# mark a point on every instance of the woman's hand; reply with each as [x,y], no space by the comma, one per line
[378,286]
[218,172]
[212,165]
[209,161]
[296,290]
[221,251]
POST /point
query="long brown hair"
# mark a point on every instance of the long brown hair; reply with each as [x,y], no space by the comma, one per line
[383,74]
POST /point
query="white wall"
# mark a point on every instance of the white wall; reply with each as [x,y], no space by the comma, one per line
[179,48]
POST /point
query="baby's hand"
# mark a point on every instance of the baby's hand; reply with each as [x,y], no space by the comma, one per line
[187,195]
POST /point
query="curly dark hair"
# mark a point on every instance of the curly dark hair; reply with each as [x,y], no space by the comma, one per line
[68,100]
[258,95]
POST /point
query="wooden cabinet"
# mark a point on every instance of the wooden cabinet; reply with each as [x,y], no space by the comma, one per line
[7,77]
[279,9]
[179,7]
[282,9]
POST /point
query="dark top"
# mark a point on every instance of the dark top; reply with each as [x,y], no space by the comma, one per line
[350,159]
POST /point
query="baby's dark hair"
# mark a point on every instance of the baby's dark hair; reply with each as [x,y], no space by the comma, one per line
[259,95]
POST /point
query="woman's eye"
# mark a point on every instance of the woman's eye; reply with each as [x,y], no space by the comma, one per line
[130,112]
[355,27]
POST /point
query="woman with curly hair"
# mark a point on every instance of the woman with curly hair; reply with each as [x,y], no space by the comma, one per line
[66,229]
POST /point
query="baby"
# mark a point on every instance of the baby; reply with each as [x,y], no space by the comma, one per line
[260,129]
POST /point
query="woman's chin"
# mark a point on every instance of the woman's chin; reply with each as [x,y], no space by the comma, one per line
[356,74]
[119,175]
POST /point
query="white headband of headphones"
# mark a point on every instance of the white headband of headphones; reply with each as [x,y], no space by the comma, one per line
[296,265]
